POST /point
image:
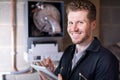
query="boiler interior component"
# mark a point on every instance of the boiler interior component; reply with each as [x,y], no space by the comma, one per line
[47,19]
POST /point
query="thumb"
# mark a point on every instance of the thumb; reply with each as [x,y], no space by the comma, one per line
[59,77]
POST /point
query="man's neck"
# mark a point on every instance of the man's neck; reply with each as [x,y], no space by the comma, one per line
[82,46]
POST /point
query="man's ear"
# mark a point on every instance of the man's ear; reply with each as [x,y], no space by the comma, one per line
[93,24]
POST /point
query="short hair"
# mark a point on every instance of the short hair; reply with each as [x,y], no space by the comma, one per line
[83,5]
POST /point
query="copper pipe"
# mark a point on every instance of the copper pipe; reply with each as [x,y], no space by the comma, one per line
[13,37]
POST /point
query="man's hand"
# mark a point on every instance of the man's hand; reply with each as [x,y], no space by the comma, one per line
[47,63]
[59,77]
[42,76]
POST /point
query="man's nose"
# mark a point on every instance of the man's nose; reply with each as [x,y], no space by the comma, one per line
[75,27]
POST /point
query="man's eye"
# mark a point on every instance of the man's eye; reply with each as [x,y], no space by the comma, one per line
[70,23]
[80,22]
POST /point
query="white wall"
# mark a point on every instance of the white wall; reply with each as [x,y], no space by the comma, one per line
[5,36]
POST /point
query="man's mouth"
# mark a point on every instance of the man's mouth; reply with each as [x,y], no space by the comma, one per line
[75,34]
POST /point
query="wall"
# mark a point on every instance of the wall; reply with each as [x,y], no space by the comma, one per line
[5,35]
[110,21]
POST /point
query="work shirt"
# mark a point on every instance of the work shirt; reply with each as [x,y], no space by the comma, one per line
[78,55]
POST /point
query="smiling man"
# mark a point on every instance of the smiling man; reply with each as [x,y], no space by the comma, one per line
[86,58]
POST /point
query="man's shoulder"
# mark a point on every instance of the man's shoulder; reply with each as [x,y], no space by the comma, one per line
[106,55]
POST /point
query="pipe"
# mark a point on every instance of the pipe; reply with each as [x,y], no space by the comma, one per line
[13,43]
[13,37]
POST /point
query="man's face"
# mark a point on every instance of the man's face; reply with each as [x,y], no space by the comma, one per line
[79,26]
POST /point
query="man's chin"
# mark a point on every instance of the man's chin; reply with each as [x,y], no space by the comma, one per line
[75,42]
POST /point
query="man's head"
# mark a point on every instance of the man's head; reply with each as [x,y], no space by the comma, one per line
[83,5]
[81,21]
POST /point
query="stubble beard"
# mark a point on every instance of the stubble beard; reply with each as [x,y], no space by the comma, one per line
[82,40]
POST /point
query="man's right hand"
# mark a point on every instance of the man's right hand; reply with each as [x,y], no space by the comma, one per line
[46,62]
[42,76]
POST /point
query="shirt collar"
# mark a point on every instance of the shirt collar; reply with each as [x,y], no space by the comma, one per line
[94,46]
[84,49]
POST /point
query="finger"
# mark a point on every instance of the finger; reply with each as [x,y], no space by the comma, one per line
[48,60]
[51,68]
[42,63]
[37,63]
[50,64]
[42,76]
[45,62]
[59,77]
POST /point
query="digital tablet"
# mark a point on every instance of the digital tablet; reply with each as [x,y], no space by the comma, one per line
[45,71]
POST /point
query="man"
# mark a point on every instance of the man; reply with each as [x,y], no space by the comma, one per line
[86,58]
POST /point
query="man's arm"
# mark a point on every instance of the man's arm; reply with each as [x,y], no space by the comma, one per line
[107,68]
